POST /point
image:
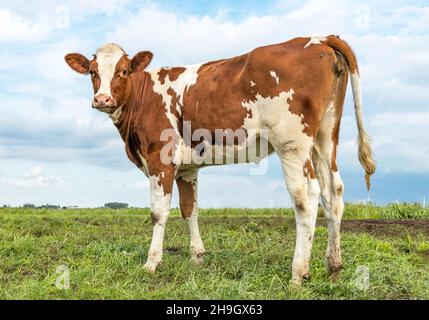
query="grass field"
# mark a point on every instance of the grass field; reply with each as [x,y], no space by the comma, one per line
[249,254]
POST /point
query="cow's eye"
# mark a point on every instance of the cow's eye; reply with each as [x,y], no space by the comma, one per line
[124,72]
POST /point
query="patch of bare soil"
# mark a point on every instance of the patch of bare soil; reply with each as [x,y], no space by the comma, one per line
[390,228]
[376,227]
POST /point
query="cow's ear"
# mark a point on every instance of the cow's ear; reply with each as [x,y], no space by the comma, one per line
[141,60]
[78,62]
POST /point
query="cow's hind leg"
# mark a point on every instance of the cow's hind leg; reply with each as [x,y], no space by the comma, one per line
[188,186]
[332,187]
[304,191]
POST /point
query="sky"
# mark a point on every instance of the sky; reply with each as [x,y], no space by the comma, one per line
[55,149]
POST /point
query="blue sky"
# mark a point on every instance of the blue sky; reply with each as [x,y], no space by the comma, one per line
[55,149]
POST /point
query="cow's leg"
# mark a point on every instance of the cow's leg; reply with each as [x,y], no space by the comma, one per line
[332,187]
[304,191]
[332,200]
[188,186]
[160,198]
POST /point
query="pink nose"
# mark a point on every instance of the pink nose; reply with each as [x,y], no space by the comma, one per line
[103,100]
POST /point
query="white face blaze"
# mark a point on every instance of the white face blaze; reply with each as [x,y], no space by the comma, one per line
[107,58]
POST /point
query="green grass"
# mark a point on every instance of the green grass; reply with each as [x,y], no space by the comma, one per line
[249,256]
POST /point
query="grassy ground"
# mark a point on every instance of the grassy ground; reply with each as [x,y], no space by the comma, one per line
[249,255]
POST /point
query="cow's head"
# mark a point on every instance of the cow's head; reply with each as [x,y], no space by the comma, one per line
[110,71]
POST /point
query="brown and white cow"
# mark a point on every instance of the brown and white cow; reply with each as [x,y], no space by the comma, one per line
[289,95]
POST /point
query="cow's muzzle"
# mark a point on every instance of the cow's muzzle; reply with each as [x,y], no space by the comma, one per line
[102,101]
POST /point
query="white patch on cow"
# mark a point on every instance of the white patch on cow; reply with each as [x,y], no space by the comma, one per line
[275,76]
[159,201]
[252,83]
[323,150]
[326,126]
[160,207]
[334,213]
[107,58]
[197,246]
[116,115]
[305,225]
[185,80]
[273,113]
[316,40]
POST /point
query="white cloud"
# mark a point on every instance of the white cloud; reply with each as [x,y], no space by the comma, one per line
[35,172]
[16,28]
[33,179]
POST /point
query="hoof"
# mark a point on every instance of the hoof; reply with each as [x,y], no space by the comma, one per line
[296,282]
[334,271]
[334,276]
[306,276]
[198,258]
[151,266]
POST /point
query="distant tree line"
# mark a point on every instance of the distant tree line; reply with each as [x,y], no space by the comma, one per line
[111,205]
[116,205]
[43,206]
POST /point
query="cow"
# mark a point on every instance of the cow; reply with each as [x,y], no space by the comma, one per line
[287,96]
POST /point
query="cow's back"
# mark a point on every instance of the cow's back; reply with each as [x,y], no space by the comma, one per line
[223,87]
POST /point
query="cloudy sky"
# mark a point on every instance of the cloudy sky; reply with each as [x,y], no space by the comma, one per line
[55,149]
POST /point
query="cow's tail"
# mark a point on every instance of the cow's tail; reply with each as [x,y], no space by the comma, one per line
[365,152]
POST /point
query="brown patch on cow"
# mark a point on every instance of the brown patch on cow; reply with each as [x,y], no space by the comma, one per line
[174,102]
[187,197]
[171,73]
[215,101]
[162,74]
[309,170]
[340,190]
[300,199]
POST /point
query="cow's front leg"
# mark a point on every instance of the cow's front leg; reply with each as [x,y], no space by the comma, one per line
[160,198]
[187,186]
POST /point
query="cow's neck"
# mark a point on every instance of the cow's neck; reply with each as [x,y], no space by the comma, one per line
[125,116]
